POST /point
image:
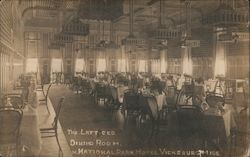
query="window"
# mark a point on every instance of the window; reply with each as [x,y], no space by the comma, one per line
[155,66]
[56,65]
[142,66]
[113,65]
[79,67]
[31,65]
[101,65]
[121,65]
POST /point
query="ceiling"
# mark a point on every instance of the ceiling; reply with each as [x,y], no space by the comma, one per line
[146,12]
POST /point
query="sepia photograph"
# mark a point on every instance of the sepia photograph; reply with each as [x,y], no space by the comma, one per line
[124,78]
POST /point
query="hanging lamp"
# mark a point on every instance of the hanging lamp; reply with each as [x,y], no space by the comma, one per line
[111,43]
[186,39]
[232,23]
[163,33]
[226,15]
[131,42]
[103,43]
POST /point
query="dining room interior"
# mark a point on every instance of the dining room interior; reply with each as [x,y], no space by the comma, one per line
[124,78]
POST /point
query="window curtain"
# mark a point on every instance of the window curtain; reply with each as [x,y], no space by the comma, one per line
[32,65]
[155,66]
[163,61]
[121,65]
[142,66]
[80,65]
[187,62]
[220,60]
[101,64]
[56,65]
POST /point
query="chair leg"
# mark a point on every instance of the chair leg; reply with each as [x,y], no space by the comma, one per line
[47,105]
[17,149]
[157,132]
[152,132]
[60,153]
[126,116]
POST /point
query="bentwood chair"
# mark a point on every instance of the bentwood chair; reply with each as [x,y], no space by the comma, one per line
[16,100]
[45,99]
[74,84]
[53,131]
[100,93]
[85,87]
[190,118]
[10,121]
[67,79]
[171,94]
[130,105]
[146,120]
[39,87]
[163,124]
[214,100]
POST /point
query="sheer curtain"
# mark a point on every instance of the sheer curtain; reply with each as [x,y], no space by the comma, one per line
[142,66]
[32,65]
[101,64]
[80,65]
[56,65]
[155,66]
[220,60]
[121,65]
[187,62]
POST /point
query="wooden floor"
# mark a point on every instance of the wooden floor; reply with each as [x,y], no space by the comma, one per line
[91,114]
[49,145]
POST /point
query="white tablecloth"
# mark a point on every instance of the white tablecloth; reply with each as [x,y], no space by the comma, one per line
[155,103]
[227,120]
[30,132]
[161,101]
[118,92]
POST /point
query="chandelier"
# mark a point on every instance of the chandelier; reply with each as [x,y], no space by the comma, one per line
[226,16]
[59,40]
[132,42]
[56,45]
[160,36]
[230,22]
[76,27]
[186,40]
